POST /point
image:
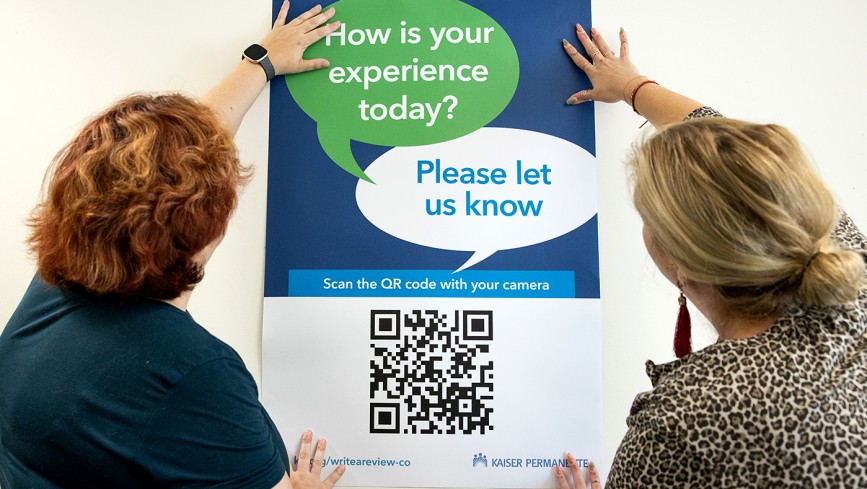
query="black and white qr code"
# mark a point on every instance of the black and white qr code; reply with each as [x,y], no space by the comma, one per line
[431,372]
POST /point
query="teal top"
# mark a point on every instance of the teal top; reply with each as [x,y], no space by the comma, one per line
[103,394]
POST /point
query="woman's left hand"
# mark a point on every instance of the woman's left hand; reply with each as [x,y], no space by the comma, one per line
[307,475]
[287,41]
[608,73]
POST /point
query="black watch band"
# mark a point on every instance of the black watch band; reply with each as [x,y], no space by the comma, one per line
[259,55]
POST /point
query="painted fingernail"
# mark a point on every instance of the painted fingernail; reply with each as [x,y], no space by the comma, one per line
[622,30]
[591,466]
[566,43]
[572,100]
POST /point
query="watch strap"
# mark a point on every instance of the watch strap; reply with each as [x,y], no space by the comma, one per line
[266,65]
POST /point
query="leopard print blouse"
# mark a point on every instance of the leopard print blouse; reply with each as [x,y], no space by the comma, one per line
[786,408]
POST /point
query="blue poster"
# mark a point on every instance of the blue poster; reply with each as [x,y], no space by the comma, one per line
[432,272]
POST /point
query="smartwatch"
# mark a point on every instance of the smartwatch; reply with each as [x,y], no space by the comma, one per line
[259,55]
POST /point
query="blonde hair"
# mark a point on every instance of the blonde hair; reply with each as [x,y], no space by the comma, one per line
[739,206]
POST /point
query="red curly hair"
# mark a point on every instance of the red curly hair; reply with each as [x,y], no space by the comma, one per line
[132,199]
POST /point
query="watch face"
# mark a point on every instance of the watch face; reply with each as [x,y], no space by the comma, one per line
[255,52]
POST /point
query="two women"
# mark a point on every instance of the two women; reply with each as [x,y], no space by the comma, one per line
[108,382]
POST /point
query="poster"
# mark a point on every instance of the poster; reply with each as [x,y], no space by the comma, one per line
[432,279]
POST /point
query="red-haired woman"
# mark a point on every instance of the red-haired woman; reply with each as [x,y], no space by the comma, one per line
[106,380]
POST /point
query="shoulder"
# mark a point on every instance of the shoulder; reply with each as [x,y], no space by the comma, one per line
[704,111]
[149,343]
[848,235]
[126,370]
[779,391]
[62,324]
[170,333]
[148,332]
[209,428]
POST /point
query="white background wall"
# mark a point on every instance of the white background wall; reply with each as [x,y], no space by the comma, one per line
[794,62]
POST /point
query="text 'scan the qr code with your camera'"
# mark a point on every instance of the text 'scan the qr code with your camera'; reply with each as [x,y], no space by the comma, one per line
[431,372]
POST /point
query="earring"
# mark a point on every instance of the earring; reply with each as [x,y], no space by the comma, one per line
[682,331]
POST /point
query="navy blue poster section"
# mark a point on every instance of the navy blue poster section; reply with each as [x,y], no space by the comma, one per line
[314,221]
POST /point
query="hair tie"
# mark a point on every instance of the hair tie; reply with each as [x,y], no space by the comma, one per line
[810,260]
[799,279]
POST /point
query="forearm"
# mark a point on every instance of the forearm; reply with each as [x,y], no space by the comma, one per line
[657,104]
[233,96]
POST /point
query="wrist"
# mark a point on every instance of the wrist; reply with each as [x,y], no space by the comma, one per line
[257,54]
[642,84]
[629,89]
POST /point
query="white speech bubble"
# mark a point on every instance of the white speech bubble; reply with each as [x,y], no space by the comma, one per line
[505,216]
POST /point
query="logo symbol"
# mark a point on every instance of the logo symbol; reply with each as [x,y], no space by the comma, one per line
[480,459]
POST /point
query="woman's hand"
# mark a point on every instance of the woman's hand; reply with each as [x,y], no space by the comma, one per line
[611,76]
[577,477]
[233,96]
[308,475]
[287,41]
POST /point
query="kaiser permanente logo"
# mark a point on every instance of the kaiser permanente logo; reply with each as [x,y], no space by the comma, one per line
[481,460]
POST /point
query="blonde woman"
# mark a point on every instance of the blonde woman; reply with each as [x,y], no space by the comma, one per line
[738,220]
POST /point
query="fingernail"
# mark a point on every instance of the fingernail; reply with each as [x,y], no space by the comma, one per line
[558,470]
[622,30]
[578,26]
[591,466]
[572,100]
[566,43]
[594,31]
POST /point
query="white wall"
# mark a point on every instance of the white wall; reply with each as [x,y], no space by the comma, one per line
[792,62]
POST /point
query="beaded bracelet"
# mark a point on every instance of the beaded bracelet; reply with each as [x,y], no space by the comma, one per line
[635,91]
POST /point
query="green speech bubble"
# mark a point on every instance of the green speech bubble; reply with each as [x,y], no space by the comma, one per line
[405,73]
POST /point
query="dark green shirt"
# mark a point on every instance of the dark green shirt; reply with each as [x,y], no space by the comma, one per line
[101,394]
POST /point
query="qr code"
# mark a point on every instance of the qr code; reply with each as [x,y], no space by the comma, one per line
[431,373]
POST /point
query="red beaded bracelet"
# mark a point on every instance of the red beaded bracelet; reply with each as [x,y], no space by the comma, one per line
[635,90]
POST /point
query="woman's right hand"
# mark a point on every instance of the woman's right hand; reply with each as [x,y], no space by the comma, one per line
[577,476]
[287,40]
[610,75]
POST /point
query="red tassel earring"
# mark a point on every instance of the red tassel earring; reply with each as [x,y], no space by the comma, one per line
[682,331]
